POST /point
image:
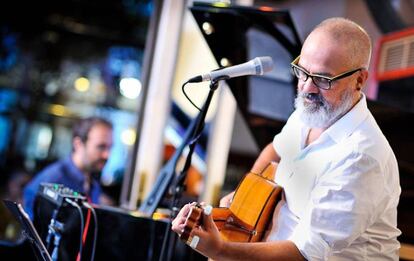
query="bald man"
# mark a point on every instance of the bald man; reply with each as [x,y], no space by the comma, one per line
[339,175]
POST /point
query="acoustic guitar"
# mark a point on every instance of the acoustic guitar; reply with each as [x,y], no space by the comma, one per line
[250,210]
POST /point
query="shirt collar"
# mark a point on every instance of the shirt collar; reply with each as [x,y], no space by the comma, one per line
[343,127]
[78,179]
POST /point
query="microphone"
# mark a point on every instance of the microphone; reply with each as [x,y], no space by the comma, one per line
[257,66]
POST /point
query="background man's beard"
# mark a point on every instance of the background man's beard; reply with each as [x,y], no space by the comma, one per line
[319,113]
[96,175]
[95,168]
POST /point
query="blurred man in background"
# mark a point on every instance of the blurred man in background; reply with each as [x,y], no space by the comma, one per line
[91,145]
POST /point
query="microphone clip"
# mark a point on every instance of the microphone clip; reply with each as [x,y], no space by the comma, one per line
[214,82]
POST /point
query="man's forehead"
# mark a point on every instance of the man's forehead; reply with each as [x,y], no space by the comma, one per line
[100,127]
[100,132]
[318,56]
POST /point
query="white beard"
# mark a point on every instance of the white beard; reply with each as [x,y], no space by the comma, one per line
[321,114]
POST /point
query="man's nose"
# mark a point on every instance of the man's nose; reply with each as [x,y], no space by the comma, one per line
[308,86]
[105,153]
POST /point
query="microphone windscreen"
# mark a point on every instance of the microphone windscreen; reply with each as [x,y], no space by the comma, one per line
[267,63]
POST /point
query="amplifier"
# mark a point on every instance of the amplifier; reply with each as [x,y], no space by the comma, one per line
[57,193]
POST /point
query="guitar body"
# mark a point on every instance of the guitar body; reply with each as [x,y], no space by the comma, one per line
[251,209]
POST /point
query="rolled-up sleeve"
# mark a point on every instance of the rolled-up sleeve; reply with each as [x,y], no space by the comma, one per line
[343,204]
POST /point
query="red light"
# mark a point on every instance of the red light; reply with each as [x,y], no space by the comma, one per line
[266,9]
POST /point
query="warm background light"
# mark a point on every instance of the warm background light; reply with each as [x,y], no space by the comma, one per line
[128,136]
[82,84]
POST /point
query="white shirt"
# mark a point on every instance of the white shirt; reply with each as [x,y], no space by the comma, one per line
[341,191]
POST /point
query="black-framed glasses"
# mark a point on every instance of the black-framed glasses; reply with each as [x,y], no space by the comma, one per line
[321,81]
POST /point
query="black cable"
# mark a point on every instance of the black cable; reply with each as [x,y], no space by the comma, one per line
[188,98]
[75,204]
[95,230]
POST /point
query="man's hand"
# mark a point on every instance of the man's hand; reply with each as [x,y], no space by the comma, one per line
[206,238]
[178,223]
[210,242]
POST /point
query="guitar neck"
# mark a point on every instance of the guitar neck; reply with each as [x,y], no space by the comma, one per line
[195,218]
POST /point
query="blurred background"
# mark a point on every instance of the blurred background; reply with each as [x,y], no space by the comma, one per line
[66,61]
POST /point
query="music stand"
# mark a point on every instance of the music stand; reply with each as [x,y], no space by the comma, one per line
[29,231]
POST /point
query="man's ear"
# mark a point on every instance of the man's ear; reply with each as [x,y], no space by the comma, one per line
[77,143]
[361,79]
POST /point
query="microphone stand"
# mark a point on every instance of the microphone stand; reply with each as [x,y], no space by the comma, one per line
[180,179]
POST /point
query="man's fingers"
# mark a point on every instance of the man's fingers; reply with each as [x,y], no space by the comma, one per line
[208,209]
[207,218]
[178,224]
